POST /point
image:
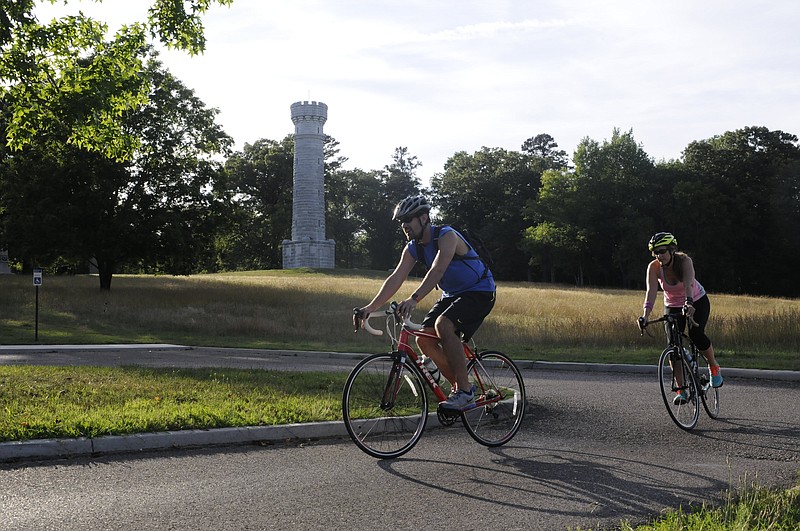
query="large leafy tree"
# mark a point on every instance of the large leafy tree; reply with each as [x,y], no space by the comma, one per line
[47,82]
[365,218]
[742,201]
[399,180]
[486,192]
[592,220]
[157,211]
[558,241]
[260,179]
[360,205]
[545,148]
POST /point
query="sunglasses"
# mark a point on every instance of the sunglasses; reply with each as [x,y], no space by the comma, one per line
[407,219]
[660,251]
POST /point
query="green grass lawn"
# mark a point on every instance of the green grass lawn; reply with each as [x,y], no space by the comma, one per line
[51,402]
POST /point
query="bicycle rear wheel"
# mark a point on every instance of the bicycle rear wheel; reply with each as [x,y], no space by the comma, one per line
[384,405]
[684,414]
[709,395]
[499,399]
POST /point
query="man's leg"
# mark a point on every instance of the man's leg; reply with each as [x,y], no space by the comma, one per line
[453,352]
[431,347]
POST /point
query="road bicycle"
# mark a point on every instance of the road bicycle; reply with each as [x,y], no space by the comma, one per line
[385,404]
[682,369]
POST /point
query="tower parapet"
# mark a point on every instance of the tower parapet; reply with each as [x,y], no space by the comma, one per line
[309,110]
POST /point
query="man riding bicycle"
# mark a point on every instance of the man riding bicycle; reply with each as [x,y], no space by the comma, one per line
[468,293]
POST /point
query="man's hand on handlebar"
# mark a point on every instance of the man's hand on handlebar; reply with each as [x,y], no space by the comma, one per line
[405,308]
[642,324]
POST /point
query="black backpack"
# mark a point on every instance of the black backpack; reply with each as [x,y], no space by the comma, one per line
[473,240]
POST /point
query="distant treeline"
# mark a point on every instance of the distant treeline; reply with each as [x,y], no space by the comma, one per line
[733,202]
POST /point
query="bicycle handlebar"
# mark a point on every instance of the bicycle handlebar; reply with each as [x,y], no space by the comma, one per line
[643,323]
[389,311]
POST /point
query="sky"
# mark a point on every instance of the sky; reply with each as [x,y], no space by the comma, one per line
[442,76]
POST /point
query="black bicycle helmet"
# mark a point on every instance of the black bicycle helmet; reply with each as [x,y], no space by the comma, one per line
[661,239]
[410,206]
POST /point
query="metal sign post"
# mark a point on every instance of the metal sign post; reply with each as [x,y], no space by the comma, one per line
[37,281]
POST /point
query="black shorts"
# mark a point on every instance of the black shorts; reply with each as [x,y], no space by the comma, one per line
[466,310]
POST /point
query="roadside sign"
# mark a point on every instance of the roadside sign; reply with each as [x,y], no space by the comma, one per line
[37,277]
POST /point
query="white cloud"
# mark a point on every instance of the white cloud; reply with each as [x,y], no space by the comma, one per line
[445,76]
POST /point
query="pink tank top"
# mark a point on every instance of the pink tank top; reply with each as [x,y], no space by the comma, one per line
[675,294]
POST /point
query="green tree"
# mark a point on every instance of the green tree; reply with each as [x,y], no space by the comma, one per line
[359,209]
[363,207]
[340,223]
[260,179]
[545,148]
[486,192]
[742,200]
[593,219]
[558,241]
[156,212]
[48,84]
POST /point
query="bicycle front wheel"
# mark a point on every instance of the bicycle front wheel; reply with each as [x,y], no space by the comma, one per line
[709,394]
[676,378]
[499,399]
[384,405]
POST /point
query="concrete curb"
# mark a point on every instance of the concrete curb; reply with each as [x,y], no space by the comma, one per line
[109,346]
[62,448]
[83,446]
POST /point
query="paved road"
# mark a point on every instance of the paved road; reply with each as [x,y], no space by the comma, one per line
[594,448]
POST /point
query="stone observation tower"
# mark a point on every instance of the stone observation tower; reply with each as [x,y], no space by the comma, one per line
[308,246]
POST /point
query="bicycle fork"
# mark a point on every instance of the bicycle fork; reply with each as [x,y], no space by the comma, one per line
[678,372]
[393,382]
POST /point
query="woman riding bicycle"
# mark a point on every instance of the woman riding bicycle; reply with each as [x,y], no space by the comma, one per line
[683,295]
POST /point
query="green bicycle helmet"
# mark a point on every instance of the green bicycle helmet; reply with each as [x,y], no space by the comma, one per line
[661,239]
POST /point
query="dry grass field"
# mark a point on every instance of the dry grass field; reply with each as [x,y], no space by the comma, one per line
[304,309]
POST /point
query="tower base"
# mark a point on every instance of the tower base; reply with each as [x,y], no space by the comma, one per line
[318,254]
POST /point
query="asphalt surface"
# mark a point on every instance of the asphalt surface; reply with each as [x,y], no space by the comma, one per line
[164,355]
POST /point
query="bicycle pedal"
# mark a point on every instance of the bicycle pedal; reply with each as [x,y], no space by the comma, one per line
[447,417]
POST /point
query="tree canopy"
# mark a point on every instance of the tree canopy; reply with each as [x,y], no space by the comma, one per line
[157,209]
[65,75]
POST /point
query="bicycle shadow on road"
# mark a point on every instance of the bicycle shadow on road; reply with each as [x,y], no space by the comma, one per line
[573,484]
[762,438]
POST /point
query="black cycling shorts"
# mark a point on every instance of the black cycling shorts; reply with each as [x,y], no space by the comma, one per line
[466,310]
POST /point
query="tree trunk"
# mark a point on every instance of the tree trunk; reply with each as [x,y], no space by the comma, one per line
[105,269]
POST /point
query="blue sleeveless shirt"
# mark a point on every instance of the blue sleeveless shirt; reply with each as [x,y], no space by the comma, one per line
[461,275]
